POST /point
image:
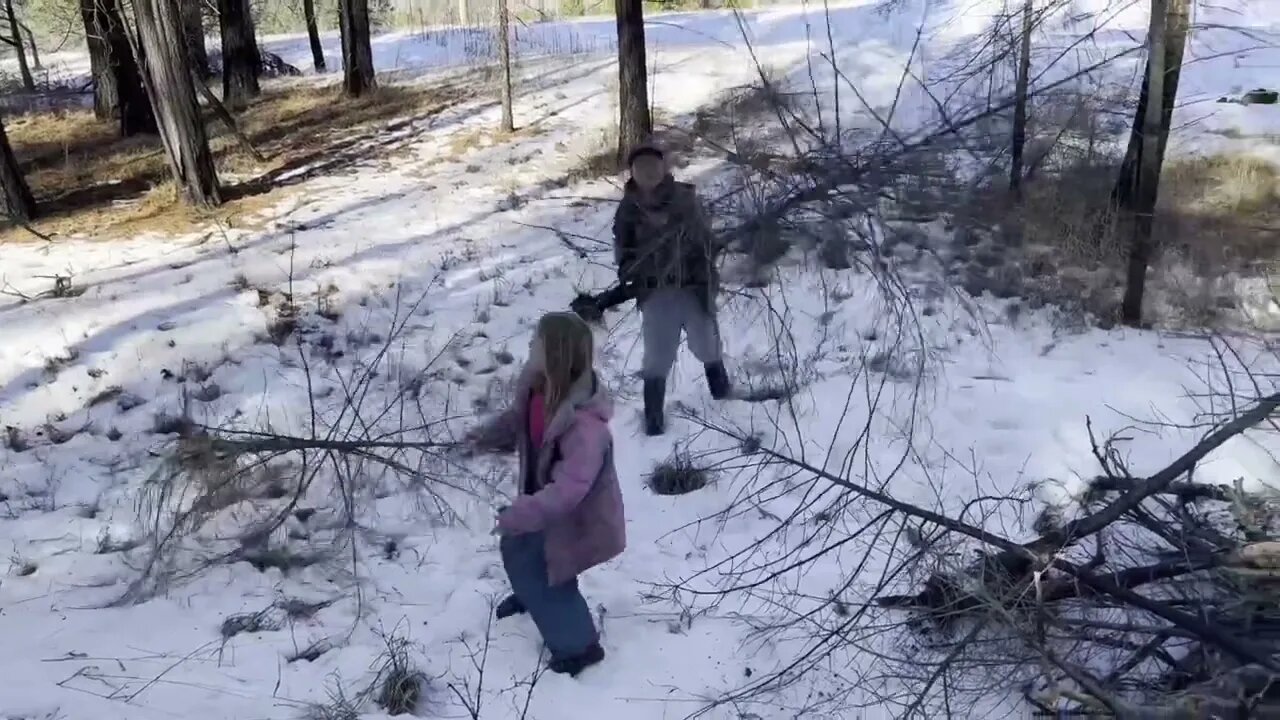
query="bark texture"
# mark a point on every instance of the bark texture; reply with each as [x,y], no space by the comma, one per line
[357,48]
[241,64]
[313,35]
[19,204]
[168,81]
[635,124]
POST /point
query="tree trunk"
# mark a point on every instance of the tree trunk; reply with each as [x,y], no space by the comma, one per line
[193,26]
[19,204]
[313,34]
[118,87]
[240,61]
[1166,41]
[256,50]
[106,100]
[168,80]
[1126,187]
[634,123]
[1124,193]
[1019,141]
[35,51]
[504,58]
[19,46]
[1177,28]
[357,50]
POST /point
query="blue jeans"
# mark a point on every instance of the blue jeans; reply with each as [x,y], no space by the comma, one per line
[560,612]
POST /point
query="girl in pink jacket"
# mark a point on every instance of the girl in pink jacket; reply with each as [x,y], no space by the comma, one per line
[568,516]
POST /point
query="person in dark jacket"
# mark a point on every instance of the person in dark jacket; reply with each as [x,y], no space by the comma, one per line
[667,253]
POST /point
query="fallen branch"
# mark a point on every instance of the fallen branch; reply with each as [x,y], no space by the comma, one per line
[1018,560]
[27,226]
[1142,489]
[1185,491]
[225,116]
[264,443]
[567,238]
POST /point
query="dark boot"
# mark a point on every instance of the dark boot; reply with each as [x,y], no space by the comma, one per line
[572,666]
[718,380]
[508,607]
[655,397]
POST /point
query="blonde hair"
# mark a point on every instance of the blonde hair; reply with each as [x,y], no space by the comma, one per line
[568,351]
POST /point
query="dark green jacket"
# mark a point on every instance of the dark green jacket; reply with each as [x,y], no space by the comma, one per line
[665,241]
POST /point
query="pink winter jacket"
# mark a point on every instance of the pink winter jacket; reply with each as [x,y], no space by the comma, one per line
[577,500]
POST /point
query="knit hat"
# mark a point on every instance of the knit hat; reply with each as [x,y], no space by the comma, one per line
[647,148]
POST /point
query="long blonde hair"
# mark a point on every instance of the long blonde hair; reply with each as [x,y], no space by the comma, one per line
[568,351]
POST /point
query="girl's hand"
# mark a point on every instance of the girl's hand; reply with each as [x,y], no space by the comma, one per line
[490,437]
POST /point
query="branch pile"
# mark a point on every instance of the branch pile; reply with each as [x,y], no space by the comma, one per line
[1159,600]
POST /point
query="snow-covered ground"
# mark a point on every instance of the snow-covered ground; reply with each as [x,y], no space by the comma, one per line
[416,283]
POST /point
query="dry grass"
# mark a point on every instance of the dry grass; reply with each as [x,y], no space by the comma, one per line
[598,159]
[1221,211]
[1218,212]
[725,120]
[1218,217]
[598,156]
[87,180]
[1070,211]
[461,143]
[678,475]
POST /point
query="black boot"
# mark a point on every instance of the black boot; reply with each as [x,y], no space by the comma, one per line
[571,666]
[510,606]
[718,380]
[655,397]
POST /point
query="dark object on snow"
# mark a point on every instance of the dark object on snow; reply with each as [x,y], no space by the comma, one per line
[718,381]
[1261,96]
[572,666]
[510,607]
[592,307]
[272,65]
[655,396]
[678,476]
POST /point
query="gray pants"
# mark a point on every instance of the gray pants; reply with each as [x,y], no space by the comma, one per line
[664,315]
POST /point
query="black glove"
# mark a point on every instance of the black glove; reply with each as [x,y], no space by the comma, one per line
[626,273]
[586,307]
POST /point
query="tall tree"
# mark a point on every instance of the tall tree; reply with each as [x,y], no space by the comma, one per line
[19,46]
[504,58]
[193,26]
[635,125]
[357,48]
[19,204]
[1018,143]
[1124,194]
[106,101]
[1166,43]
[241,63]
[118,91]
[168,81]
[313,35]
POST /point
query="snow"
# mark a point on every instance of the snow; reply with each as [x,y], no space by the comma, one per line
[421,280]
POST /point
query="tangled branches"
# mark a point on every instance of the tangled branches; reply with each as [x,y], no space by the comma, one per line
[287,500]
[1158,598]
